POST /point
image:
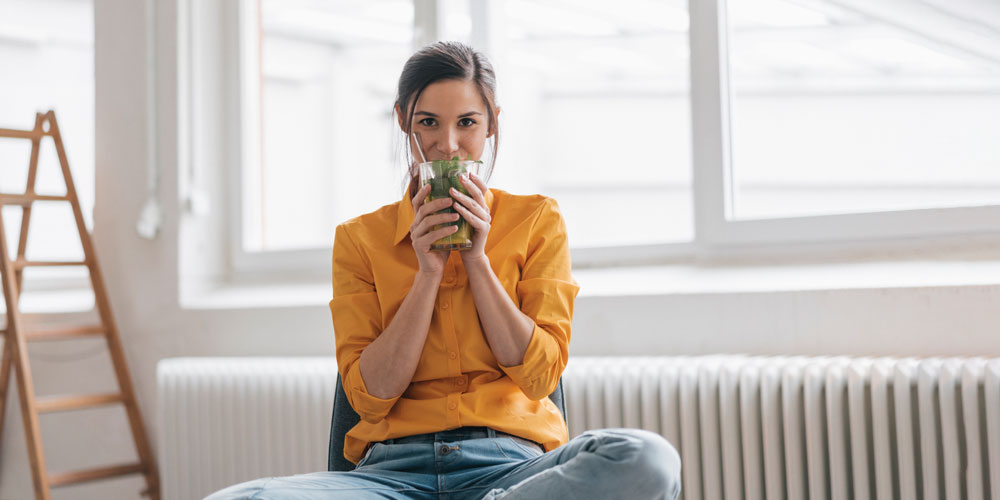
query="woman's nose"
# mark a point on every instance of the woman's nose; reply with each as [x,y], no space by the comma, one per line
[449,141]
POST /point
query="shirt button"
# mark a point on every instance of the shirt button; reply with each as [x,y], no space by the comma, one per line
[444,305]
[452,406]
[449,279]
[460,381]
[452,354]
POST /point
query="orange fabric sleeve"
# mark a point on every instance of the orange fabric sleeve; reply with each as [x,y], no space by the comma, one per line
[357,321]
[545,292]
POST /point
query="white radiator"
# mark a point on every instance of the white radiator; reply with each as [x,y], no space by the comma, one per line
[222,421]
[806,428]
[746,427]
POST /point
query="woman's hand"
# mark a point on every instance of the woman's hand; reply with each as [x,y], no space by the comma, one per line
[474,210]
[421,233]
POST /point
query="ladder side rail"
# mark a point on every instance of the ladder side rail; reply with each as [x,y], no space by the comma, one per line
[6,365]
[6,359]
[104,310]
[22,242]
[15,343]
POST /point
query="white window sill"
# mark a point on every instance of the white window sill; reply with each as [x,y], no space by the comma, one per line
[689,279]
[607,282]
[670,280]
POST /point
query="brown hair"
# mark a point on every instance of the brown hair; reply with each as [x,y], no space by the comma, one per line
[446,61]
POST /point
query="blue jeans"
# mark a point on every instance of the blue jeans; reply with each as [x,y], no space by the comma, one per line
[598,464]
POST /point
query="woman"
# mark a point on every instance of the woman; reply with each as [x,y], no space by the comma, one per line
[449,357]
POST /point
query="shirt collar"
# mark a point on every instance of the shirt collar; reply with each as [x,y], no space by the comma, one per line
[405,214]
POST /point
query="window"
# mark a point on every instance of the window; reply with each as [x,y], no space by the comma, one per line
[596,113]
[327,73]
[663,128]
[844,107]
[47,52]
[569,74]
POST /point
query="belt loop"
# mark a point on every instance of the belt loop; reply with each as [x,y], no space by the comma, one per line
[491,433]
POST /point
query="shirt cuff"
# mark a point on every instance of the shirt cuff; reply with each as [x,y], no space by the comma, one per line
[370,408]
[539,371]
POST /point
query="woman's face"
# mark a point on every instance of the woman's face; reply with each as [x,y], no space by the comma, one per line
[451,118]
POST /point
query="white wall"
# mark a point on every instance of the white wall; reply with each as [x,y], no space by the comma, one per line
[142,280]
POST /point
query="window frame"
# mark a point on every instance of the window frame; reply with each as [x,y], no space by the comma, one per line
[717,234]
[715,225]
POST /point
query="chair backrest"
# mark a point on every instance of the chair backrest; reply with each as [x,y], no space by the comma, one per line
[344,418]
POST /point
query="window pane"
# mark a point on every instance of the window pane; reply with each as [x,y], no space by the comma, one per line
[845,107]
[595,113]
[329,148]
[47,61]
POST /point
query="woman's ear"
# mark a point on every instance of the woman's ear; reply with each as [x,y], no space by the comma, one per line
[399,118]
[496,122]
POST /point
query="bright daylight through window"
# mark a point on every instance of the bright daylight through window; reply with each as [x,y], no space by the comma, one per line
[850,106]
[595,113]
[51,45]
[838,106]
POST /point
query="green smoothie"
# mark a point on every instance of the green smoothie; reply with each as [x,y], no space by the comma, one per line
[443,175]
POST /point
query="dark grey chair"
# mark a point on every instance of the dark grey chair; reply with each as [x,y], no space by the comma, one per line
[344,418]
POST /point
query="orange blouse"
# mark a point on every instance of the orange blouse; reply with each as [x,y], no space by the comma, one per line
[458,382]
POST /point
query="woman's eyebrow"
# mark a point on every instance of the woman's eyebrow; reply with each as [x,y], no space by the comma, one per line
[428,113]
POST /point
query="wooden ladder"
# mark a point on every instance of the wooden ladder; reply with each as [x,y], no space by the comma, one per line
[15,351]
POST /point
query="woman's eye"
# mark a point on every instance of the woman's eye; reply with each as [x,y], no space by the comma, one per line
[467,122]
[427,122]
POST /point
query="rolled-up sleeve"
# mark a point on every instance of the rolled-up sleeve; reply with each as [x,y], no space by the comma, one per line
[356,323]
[546,293]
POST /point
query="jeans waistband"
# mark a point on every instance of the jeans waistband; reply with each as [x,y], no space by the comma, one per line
[458,434]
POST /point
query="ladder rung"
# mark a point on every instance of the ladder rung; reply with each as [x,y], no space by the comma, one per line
[50,404]
[27,199]
[80,476]
[65,333]
[21,263]
[19,134]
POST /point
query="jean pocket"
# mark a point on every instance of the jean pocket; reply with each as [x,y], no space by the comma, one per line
[368,455]
[529,448]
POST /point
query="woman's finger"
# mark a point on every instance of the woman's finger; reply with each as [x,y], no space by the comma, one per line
[418,199]
[432,220]
[479,182]
[475,191]
[425,240]
[476,207]
[473,219]
[432,207]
